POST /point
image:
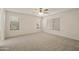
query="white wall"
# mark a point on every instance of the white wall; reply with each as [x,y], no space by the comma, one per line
[2,24]
[69,24]
[27,24]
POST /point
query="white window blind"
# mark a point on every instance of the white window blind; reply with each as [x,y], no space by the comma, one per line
[54,24]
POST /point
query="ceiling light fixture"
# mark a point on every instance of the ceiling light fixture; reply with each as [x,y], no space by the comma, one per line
[40,11]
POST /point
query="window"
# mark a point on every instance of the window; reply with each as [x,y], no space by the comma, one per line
[14,22]
[54,24]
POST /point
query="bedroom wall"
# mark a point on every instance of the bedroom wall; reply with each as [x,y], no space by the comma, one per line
[27,24]
[0,23]
[69,24]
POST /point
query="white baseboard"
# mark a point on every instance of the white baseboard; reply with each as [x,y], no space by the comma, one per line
[63,34]
[21,35]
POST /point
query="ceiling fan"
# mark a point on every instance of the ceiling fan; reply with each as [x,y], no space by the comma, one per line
[40,11]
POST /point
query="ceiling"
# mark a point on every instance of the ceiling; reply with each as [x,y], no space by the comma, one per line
[30,10]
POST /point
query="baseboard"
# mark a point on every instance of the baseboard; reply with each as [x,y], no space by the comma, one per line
[63,35]
[21,35]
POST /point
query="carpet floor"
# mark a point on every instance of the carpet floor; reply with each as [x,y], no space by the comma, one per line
[39,42]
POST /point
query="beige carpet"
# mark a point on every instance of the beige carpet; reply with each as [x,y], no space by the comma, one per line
[39,42]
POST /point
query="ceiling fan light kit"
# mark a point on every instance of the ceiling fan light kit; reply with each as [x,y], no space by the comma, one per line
[40,11]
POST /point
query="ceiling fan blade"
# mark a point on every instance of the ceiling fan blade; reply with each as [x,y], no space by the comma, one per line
[45,9]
